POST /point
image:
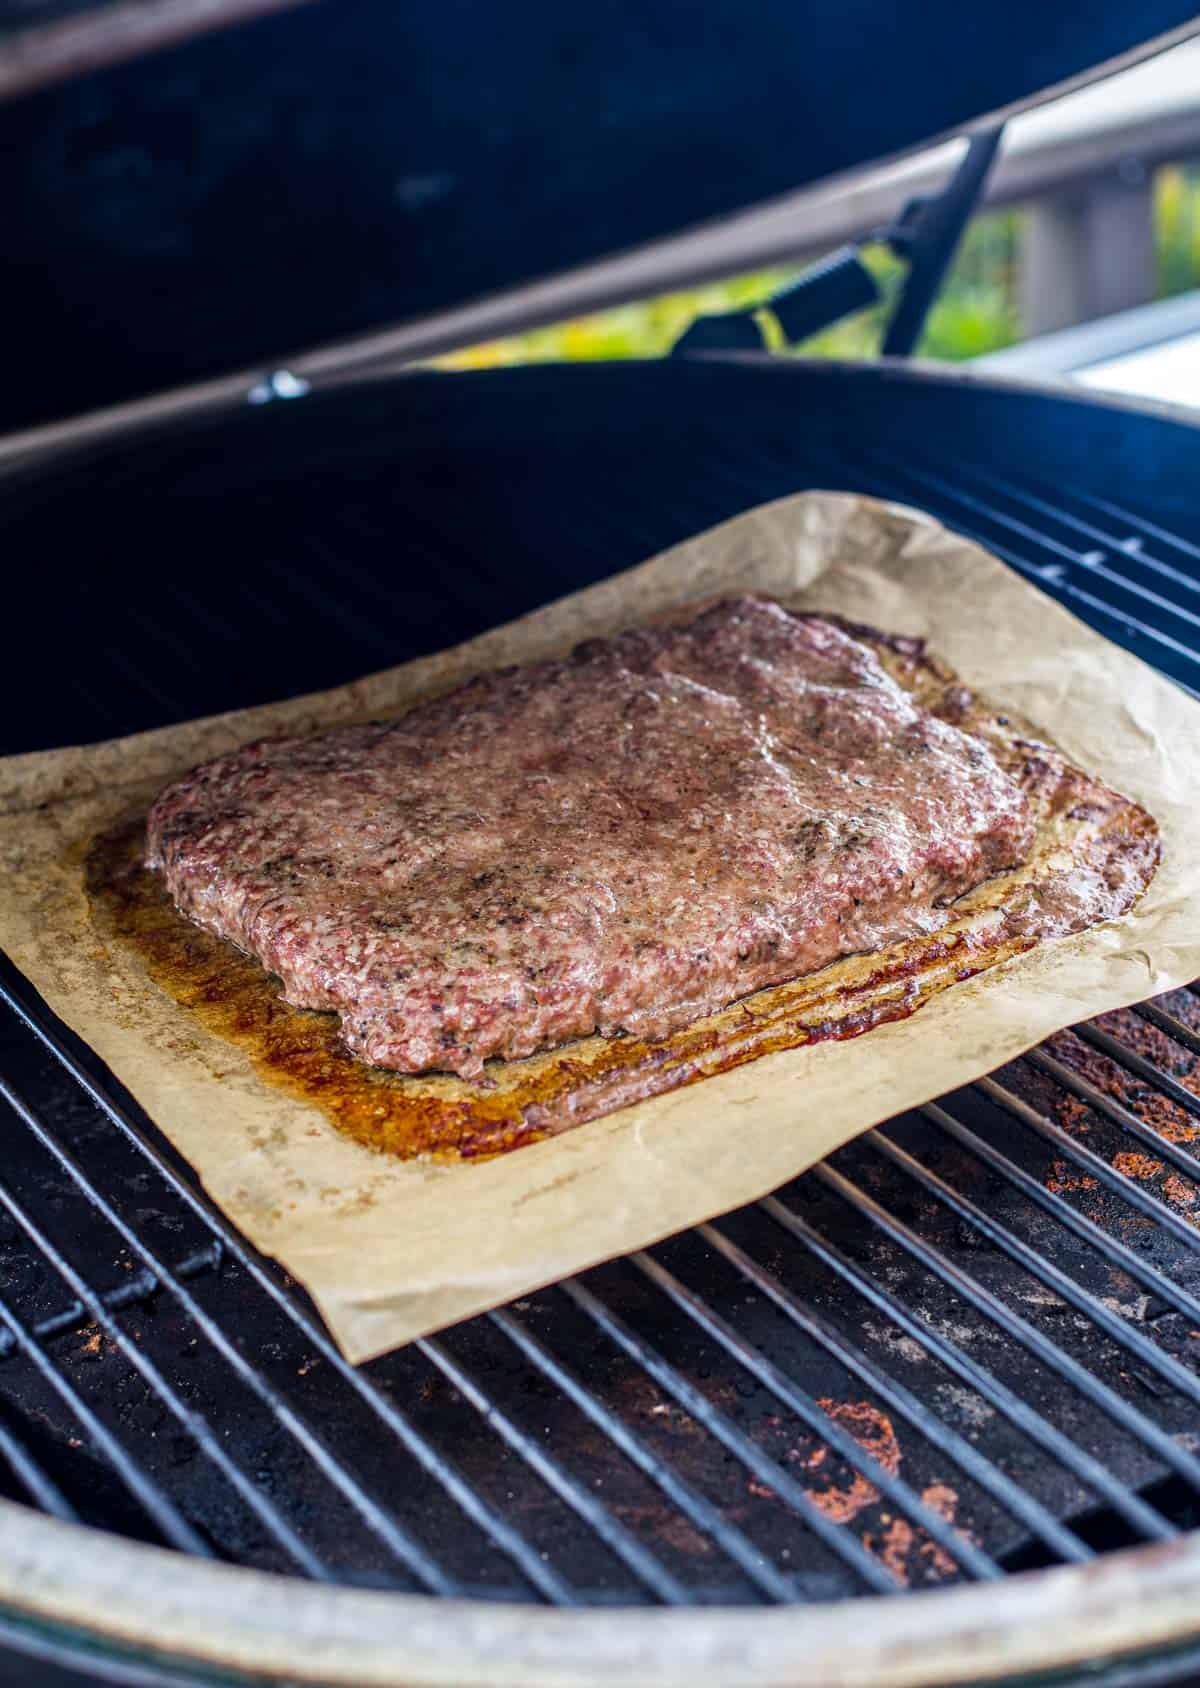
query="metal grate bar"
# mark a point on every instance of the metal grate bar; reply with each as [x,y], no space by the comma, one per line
[194,1423]
[649,1570]
[1067,1078]
[135,1290]
[1091,561]
[700,1512]
[1135,1063]
[1092,1163]
[305,584]
[1063,1286]
[1131,546]
[1037,1519]
[799,1401]
[137,680]
[37,1484]
[376,587]
[898,482]
[885,478]
[1027,1419]
[1140,526]
[1115,1252]
[507,1539]
[153,1500]
[1026,499]
[748,1453]
[1123,623]
[386,1527]
[188,656]
[1170,1024]
[1013,1325]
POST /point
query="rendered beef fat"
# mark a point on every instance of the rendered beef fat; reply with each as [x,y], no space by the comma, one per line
[623,840]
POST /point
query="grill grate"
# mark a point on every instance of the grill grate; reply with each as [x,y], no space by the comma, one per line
[872,1429]
[968,1344]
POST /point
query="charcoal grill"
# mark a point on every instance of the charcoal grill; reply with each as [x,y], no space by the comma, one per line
[929,1414]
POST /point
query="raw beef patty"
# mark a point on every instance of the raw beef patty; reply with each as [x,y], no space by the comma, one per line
[623,840]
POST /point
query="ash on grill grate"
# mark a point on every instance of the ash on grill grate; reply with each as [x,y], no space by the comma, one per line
[963,1345]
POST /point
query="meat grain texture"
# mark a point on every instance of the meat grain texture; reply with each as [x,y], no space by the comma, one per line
[621,841]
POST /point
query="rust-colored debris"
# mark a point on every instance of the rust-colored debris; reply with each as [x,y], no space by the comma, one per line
[1073,1115]
[1064,1178]
[872,1430]
[1134,1165]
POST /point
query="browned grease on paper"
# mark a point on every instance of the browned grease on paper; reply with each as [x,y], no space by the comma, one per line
[441,1116]
[232,995]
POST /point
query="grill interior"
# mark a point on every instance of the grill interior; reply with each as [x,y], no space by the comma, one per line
[964,1346]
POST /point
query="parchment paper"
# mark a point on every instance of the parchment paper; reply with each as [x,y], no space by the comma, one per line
[390,1250]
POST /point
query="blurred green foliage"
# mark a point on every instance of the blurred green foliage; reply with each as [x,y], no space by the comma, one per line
[977,311]
[1177,226]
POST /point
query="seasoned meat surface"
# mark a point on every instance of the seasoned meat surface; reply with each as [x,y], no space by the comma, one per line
[623,840]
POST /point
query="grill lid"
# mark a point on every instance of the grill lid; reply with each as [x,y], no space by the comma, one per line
[324,171]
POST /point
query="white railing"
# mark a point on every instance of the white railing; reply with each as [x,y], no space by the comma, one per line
[1082,167]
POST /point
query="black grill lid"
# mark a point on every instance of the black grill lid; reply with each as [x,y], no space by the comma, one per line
[336,168]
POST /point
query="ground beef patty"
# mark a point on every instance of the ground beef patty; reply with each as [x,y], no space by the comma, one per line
[623,840]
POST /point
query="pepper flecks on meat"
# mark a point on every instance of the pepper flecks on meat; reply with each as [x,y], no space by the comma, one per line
[624,840]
